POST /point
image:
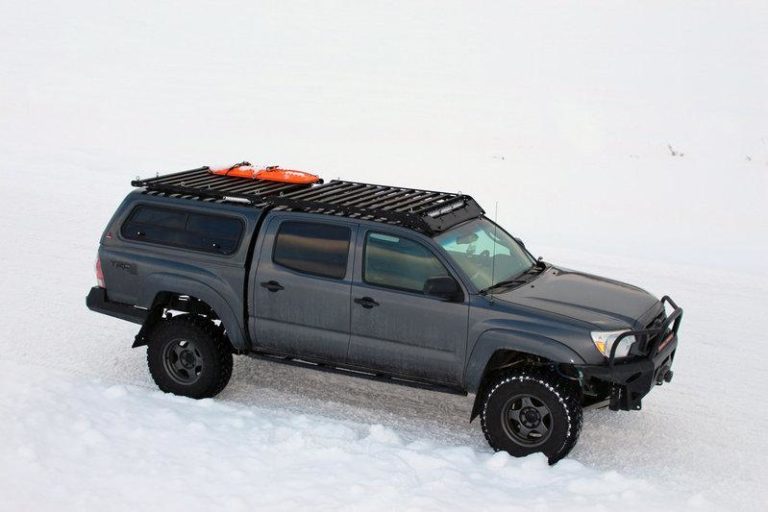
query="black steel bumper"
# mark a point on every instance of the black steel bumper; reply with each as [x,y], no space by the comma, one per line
[632,379]
[98,301]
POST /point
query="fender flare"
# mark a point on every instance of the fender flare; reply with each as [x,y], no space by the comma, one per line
[495,340]
[160,283]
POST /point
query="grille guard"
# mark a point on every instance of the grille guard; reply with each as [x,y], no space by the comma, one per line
[661,335]
[630,380]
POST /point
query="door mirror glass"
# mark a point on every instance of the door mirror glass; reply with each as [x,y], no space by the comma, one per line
[444,287]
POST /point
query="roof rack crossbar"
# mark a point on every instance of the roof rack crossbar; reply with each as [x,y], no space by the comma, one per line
[403,203]
[283,188]
[423,198]
[351,193]
[191,181]
[170,176]
[198,184]
[201,182]
[371,193]
[232,184]
[409,205]
[265,187]
[319,193]
[303,194]
[237,187]
[437,202]
[193,178]
[393,198]
[377,199]
[357,195]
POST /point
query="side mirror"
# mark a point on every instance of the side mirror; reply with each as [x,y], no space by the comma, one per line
[519,241]
[444,287]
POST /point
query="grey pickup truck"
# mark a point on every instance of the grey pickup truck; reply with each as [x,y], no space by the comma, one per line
[407,286]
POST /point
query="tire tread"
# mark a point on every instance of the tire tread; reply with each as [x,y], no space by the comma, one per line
[213,333]
[566,392]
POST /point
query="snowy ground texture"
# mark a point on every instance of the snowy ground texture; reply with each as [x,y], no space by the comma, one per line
[143,446]
[626,139]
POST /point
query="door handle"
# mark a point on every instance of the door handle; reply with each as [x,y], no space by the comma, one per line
[272,286]
[366,302]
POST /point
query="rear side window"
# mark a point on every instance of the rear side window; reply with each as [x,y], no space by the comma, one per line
[313,248]
[179,228]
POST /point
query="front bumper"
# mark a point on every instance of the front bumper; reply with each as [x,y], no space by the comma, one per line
[98,301]
[630,380]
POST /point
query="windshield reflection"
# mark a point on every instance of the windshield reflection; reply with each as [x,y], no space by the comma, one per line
[486,253]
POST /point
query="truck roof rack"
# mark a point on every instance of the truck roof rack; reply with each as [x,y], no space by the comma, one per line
[422,210]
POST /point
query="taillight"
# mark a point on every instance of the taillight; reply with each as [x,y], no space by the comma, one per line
[99,274]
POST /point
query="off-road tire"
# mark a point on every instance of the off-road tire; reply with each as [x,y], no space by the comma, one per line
[560,396]
[211,350]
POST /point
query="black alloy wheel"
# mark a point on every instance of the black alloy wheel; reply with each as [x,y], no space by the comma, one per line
[183,361]
[527,420]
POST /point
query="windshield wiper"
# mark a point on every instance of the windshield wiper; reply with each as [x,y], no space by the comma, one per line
[537,268]
[505,282]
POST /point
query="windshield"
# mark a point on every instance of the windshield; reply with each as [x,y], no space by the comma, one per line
[485,252]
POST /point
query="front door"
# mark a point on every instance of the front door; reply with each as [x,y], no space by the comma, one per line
[301,287]
[396,328]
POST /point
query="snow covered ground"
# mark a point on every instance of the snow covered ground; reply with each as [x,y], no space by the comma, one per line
[561,113]
[75,439]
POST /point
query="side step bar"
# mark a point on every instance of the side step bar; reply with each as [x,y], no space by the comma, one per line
[355,372]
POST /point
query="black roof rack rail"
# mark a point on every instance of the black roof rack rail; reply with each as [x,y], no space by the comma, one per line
[423,210]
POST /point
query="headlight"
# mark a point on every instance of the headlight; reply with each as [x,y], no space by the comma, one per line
[604,341]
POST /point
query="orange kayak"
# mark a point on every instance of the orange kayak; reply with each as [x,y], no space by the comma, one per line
[246,170]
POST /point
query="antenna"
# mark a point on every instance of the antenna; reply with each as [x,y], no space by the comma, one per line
[495,228]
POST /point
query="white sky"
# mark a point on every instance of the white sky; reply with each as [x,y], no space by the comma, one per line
[561,112]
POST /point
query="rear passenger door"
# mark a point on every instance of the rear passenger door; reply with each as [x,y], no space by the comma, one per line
[397,328]
[302,285]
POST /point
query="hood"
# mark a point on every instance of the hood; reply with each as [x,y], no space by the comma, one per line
[604,303]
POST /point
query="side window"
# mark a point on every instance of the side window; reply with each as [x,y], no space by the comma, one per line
[215,233]
[313,248]
[396,262]
[186,229]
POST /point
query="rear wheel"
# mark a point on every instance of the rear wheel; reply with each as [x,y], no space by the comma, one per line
[188,355]
[531,410]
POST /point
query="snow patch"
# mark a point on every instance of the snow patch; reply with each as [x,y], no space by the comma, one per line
[122,448]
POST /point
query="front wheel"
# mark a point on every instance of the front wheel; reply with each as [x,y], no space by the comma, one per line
[189,356]
[530,410]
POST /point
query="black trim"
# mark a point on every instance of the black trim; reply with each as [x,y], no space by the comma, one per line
[633,378]
[654,337]
[355,371]
[98,301]
[422,210]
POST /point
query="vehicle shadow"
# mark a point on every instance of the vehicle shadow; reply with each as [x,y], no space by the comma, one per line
[415,413]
